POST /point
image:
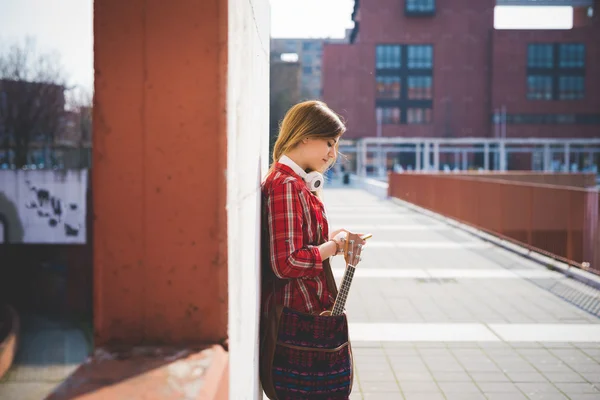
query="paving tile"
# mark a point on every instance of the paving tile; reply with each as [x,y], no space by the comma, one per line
[382,396]
[452,376]
[414,387]
[465,396]
[505,396]
[424,396]
[376,376]
[458,387]
[578,388]
[531,389]
[413,376]
[498,387]
[526,377]
[489,377]
[586,396]
[564,377]
[378,387]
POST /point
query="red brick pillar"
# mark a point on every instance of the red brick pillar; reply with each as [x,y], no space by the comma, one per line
[160,267]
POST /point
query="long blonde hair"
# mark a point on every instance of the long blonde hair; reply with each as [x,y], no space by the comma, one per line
[307,120]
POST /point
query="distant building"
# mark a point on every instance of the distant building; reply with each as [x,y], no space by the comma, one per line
[284,93]
[440,69]
[309,55]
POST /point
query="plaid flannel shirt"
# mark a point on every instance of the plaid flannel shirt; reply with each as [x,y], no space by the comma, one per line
[297,224]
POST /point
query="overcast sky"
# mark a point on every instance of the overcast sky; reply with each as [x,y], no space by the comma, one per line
[65,26]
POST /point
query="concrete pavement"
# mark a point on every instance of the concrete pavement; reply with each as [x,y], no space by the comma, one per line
[436,313]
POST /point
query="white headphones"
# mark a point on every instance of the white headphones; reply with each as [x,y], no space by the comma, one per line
[314,180]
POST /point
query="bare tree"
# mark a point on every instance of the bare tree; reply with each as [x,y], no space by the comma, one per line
[32,101]
[79,109]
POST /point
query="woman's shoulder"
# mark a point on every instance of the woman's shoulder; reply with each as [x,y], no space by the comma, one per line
[277,180]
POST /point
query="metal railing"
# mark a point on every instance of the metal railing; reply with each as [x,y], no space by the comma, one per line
[559,222]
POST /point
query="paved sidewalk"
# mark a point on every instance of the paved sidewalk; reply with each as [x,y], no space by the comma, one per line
[48,352]
[436,313]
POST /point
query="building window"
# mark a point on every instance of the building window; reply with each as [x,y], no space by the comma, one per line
[553,119]
[420,56]
[404,80]
[571,56]
[307,70]
[419,87]
[540,56]
[419,7]
[389,115]
[418,115]
[556,71]
[388,87]
[570,88]
[539,87]
[388,57]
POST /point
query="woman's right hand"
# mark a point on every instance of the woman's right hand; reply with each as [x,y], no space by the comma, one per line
[340,236]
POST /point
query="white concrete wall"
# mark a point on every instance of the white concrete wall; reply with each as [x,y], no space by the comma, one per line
[43,206]
[247,152]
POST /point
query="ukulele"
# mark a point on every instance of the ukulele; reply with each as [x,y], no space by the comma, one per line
[352,253]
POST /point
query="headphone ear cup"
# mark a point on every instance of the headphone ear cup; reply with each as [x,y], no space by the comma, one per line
[314,180]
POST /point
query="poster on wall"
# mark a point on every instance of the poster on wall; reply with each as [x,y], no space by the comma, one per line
[43,206]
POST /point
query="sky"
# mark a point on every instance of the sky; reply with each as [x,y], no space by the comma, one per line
[66,26]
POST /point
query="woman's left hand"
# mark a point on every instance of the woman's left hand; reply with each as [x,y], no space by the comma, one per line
[336,232]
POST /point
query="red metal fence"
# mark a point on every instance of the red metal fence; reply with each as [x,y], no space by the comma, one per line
[561,222]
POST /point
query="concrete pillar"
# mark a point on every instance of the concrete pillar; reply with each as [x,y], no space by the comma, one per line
[502,156]
[465,160]
[567,158]
[363,158]
[381,161]
[426,160]
[418,157]
[547,158]
[486,156]
[436,156]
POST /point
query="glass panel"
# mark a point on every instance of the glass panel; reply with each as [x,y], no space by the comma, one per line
[390,115]
[420,5]
[571,88]
[539,87]
[419,115]
[388,87]
[419,87]
[387,56]
[572,55]
[540,56]
[420,56]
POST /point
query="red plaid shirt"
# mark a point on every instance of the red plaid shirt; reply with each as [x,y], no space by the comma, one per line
[297,224]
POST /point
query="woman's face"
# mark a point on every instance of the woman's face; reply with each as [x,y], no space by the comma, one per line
[319,153]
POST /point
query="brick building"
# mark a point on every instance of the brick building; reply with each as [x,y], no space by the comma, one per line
[440,69]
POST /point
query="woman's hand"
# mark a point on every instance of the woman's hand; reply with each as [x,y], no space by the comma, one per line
[339,236]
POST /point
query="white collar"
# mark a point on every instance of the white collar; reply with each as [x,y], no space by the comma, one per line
[285,160]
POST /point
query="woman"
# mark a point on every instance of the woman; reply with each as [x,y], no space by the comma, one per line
[296,235]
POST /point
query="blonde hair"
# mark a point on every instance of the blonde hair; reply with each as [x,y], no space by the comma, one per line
[307,120]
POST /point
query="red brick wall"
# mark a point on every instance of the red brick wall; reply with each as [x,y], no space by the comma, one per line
[460,35]
[509,81]
[465,86]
